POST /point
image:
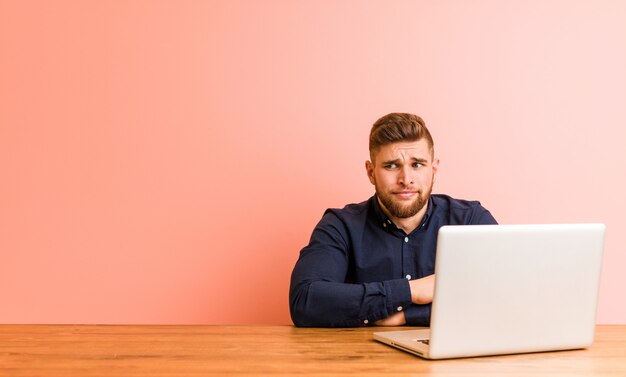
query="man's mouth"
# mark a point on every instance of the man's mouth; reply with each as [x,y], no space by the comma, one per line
[406,194]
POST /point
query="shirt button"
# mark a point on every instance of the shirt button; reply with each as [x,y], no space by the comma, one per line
[384,225]
[400,308]
[408,277]
[366,322]
[406,239]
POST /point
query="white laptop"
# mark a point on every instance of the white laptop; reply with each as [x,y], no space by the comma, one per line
[503,289]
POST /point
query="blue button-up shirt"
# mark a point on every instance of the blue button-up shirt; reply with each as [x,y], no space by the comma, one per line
[357,266]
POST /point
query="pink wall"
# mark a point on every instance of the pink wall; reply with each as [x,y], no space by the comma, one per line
[165,161]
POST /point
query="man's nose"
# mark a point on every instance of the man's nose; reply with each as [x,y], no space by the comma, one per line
[405,176]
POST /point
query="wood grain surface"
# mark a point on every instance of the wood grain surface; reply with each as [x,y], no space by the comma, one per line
[149,350]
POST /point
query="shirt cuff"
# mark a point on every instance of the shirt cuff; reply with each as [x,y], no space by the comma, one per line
[418,315]
[398,293]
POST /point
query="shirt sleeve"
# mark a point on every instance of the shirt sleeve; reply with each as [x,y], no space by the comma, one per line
[418,315]
[319,295]
[482,216]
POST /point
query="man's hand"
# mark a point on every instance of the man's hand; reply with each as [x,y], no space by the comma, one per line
[396,319]
[422,290]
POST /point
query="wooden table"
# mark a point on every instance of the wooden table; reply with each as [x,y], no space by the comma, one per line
[89,350]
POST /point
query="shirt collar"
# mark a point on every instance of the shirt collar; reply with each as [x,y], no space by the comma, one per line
[428,214]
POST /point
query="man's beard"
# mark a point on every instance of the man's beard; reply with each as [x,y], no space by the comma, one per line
[400,210]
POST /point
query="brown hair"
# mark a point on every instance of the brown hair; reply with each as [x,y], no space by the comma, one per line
[396,127]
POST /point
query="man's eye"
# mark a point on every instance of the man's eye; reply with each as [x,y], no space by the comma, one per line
[391,166]
[417,165]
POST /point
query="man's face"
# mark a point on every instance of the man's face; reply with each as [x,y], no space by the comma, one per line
[403,174]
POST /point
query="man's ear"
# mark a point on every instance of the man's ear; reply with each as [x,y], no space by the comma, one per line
[369,168]
[435,168]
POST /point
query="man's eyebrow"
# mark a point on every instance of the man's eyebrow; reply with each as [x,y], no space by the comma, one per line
[399,161]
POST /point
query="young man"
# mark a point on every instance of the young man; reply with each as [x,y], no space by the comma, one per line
[373,262]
